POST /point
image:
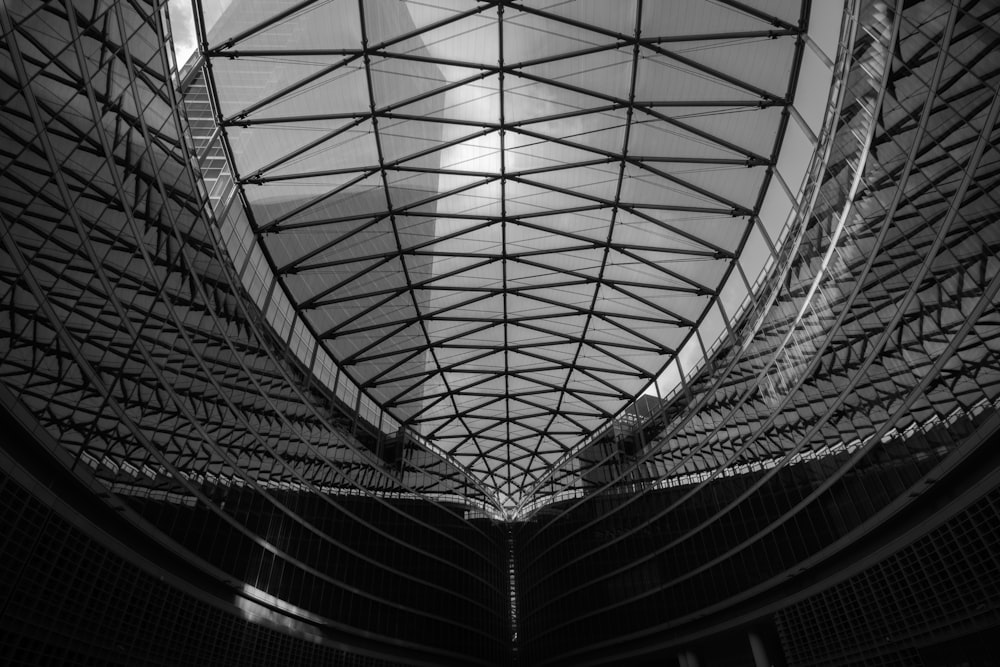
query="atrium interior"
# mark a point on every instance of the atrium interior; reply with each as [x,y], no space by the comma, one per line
[500,332]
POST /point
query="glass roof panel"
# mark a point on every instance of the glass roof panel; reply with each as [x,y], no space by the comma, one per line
[504,222]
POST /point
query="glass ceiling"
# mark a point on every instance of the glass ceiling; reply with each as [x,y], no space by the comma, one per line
[505,221]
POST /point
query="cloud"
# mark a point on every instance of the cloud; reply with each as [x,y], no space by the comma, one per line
[182,27]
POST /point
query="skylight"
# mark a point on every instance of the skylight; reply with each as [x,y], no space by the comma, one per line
[504,222]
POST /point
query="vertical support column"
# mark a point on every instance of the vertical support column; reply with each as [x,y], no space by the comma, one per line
[687,659]
[760,658]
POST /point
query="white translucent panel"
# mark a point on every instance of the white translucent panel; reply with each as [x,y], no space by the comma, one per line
[334,145]
[605,74]
[652,137]
[788,11]
[328,23]
[477,200]
[698,232]
[472,38]
[246,84]
[693,17]
[733,296]
[452,235]
[656,187]
[398,82]
[365,243]
[468,162]
[298,204]
[731,186]
[775,211]
[617,17]
[583,140]
[811,99]
[758,63]
[824,26]
[668,380]
[742,129]
[528,37]
[659,73]
[755,256]
[713,327]
[558,230]
[587,183]
[796,152]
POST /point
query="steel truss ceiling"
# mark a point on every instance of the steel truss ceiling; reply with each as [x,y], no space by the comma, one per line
[504,220]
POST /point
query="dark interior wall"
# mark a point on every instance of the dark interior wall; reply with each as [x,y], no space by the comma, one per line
[82,584]
[902,593]
[436,591]
[936,602]
[68,600]
[600,575]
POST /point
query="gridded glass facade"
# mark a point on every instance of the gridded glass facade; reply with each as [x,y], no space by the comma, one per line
[227,436]
[852,393]
[895,613]
[70,600]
